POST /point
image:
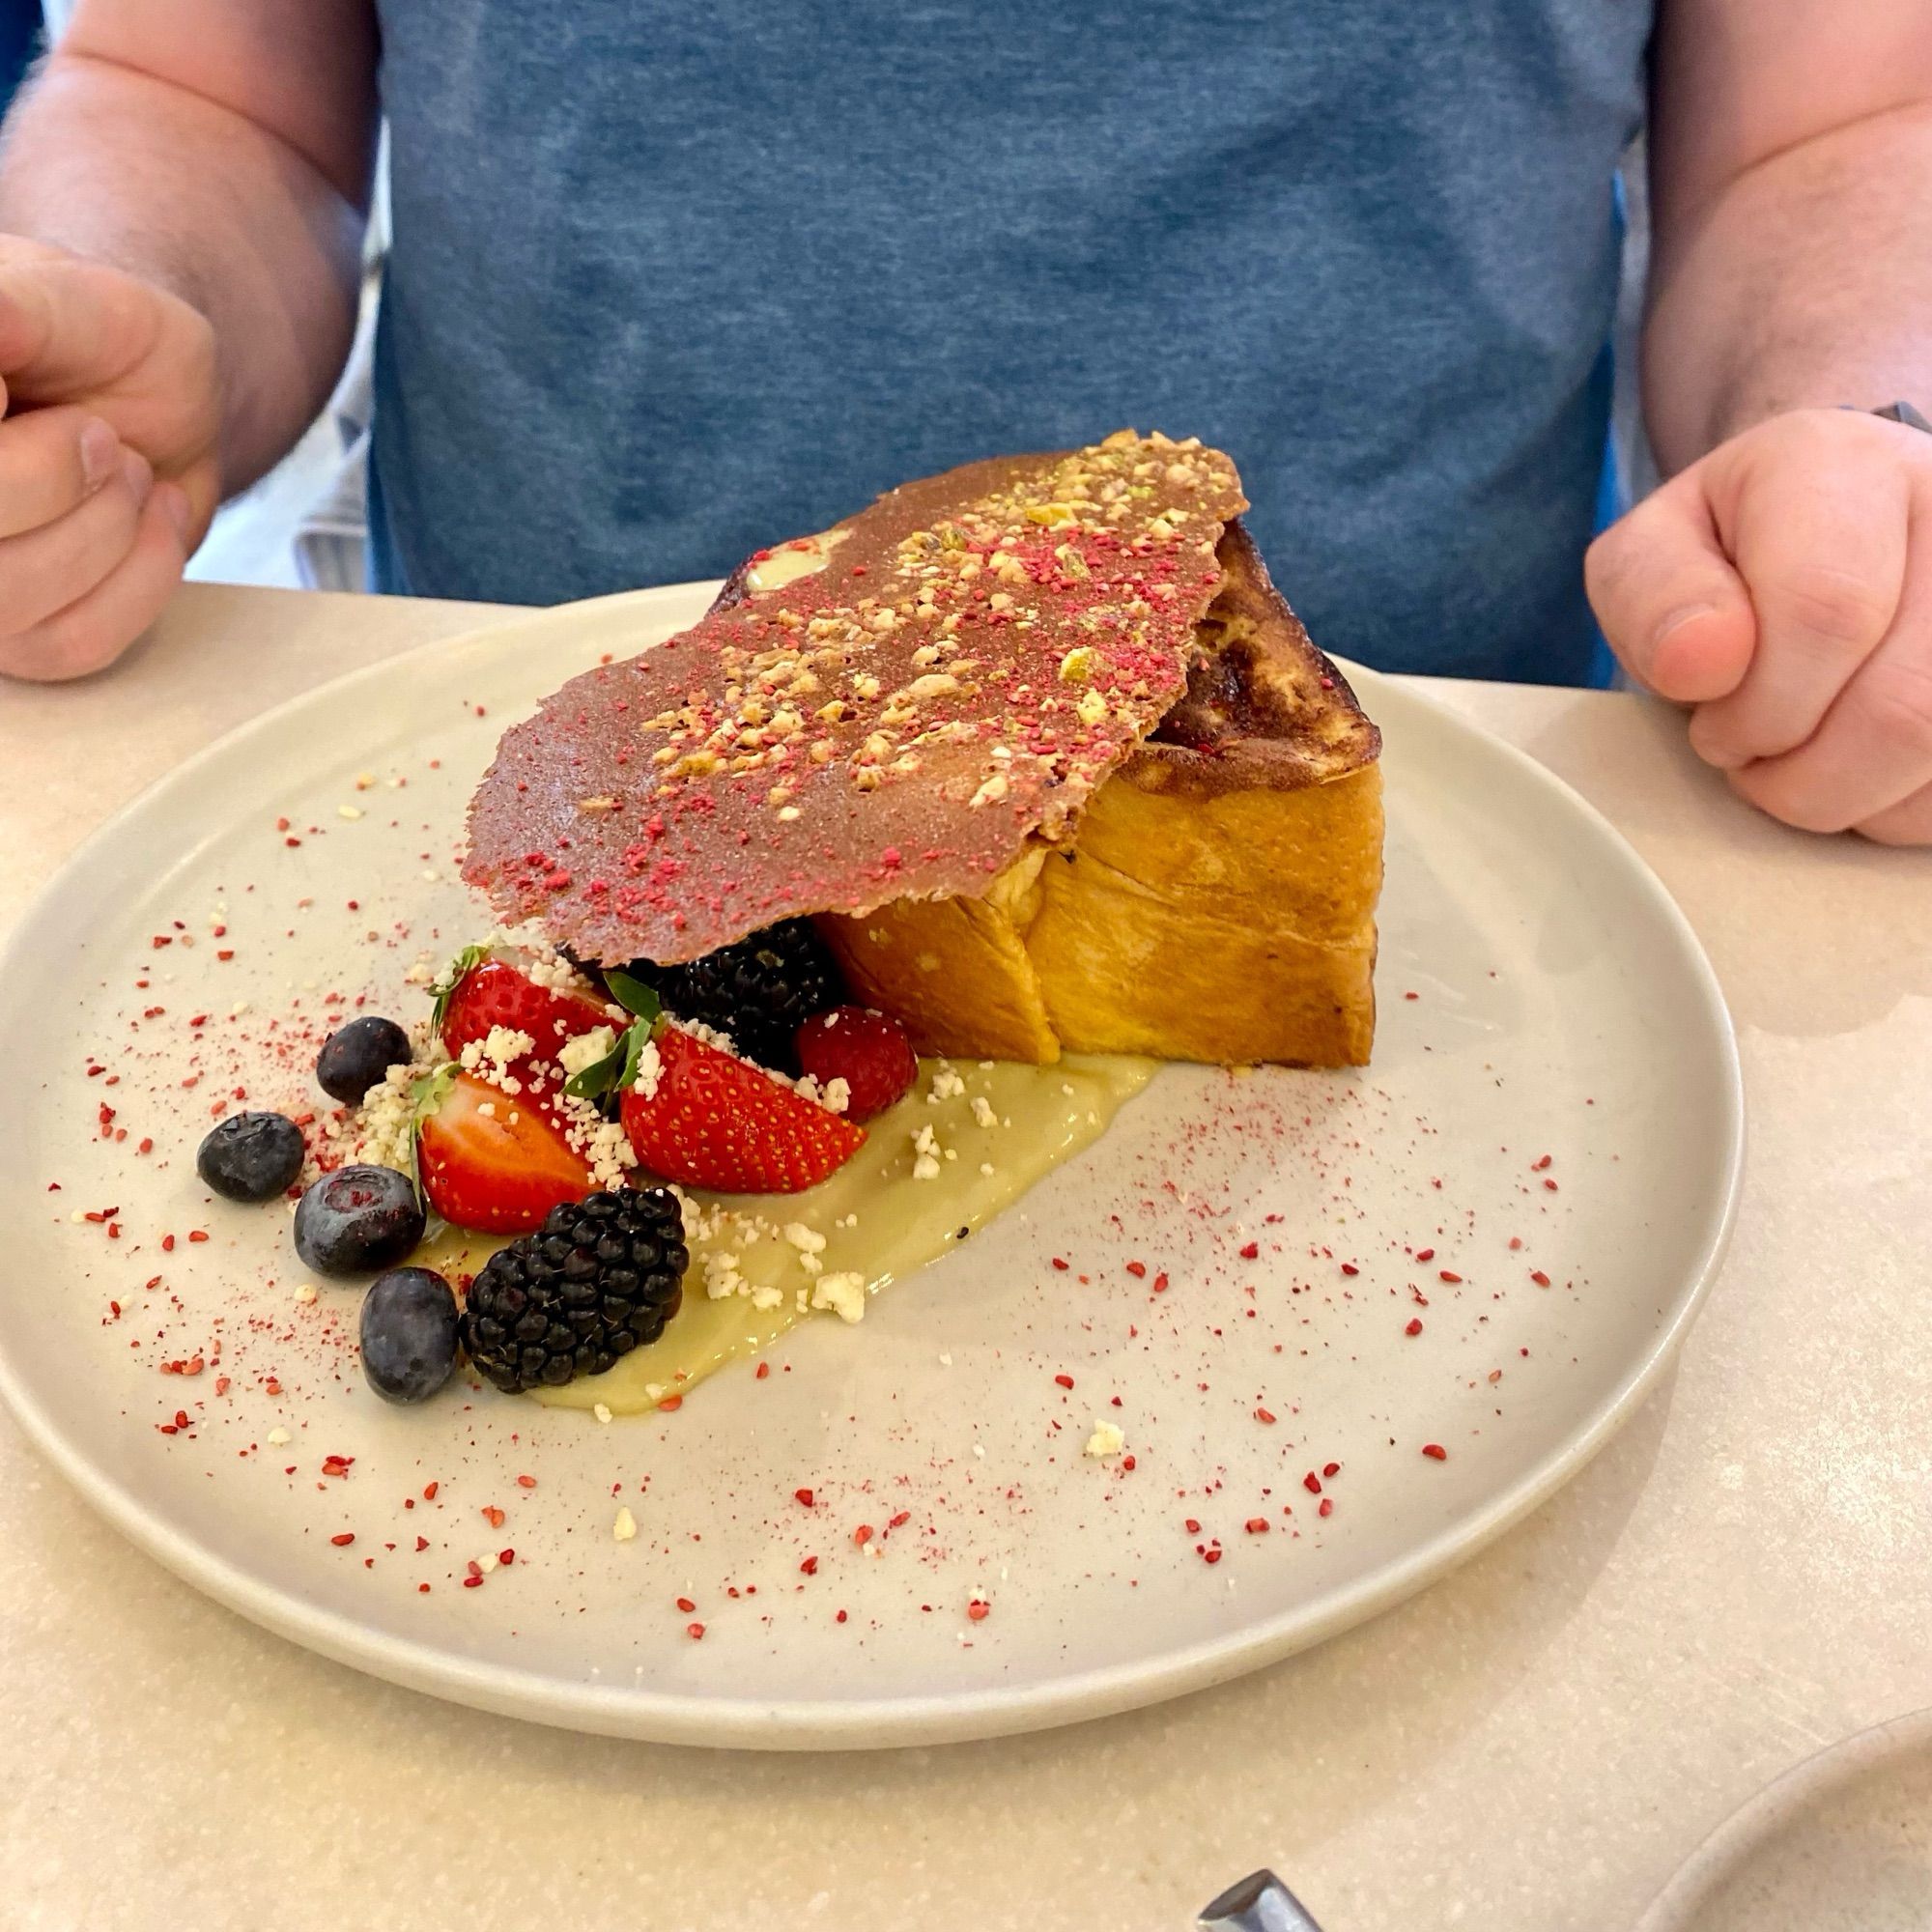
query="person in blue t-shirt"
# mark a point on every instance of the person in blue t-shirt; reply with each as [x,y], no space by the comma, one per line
[668,282]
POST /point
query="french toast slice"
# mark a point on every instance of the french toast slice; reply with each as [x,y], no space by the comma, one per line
[1216,901]
[1036,740]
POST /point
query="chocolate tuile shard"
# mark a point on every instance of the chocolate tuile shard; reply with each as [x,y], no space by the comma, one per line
[958,669]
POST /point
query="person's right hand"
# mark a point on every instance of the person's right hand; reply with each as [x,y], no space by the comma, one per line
[109,466]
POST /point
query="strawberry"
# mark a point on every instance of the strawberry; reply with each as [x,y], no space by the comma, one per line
[482,993]
[711,1120]
[868,1051]
[501,1172]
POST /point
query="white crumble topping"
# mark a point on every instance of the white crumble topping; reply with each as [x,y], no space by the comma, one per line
[306,1293]
[843,1292]
[421,972]
[586,1049]
[542,964]
[987,1168]
[765,1300]
[1107,1440]
[626,1525]
[278,1437]
[838,1096]
[650,1070]
[602,1145]
[601,1410]
[925,1155]
[721,1278]
[808,1239]
[494,1054]
[947,1084]
[983,1112]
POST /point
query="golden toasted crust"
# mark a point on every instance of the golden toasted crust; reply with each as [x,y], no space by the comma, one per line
[1217,902]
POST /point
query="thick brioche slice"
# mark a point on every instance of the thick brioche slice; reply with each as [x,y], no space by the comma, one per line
[1218,901]
[1036,740]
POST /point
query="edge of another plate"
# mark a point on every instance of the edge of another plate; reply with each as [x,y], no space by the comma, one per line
[1719,1857]
[804,1724]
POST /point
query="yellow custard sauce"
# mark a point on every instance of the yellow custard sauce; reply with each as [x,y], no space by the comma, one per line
[965,1144]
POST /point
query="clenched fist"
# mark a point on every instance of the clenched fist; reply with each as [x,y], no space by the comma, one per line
[108,465]
[1782,587]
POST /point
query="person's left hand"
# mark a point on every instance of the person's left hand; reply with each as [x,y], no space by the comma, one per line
[1782,587]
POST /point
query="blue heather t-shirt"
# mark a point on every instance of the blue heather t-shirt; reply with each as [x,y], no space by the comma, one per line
[671,281]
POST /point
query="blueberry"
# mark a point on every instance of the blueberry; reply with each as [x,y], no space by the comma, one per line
[357,1220]
[409,1334]
[251,1156]
[354,1058]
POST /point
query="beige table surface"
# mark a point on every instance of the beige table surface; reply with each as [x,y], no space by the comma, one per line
[1536,1743]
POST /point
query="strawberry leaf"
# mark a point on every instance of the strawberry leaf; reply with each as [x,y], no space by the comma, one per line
[633,995]
[429,1090]
[453,977]
[619,1068]
[603,1076]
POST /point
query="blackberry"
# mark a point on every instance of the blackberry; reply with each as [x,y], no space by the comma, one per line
[600,1277]
[760,989]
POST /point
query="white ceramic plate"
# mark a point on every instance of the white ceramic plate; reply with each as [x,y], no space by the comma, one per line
[1560,1006]
[1840,1843]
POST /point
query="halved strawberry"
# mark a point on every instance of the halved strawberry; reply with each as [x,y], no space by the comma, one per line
[714,1121]
[868,1051]
[482,993]
[491,1161]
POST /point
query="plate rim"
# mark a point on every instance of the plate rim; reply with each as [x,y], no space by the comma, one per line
[636,1712]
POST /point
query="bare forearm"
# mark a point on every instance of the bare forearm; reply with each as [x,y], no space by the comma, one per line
[1806,282]
[155,178]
